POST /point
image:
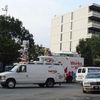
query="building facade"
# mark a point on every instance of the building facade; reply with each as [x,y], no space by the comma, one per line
[68,29]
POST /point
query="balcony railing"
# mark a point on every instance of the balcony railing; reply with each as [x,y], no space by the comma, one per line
[95,14]
[95,25]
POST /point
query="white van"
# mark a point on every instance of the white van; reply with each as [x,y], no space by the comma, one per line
[43,74]
[82,72]
[69,63]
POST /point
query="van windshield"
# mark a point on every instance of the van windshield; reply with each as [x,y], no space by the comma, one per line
[92,70]
[93,76]
[8,68]
[14,68]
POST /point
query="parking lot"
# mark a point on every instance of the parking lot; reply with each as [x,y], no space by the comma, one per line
[69,91]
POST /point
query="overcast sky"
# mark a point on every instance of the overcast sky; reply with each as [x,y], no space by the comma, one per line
[36,15]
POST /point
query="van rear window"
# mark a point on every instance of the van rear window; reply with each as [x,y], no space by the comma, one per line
[83,71]
[79,70]
[91,70]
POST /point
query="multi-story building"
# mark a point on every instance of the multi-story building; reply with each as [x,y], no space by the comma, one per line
[68,29]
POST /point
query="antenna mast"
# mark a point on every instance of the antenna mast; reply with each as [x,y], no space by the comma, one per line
[5,9]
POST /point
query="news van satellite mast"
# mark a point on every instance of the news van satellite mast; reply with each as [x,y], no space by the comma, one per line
[5,9]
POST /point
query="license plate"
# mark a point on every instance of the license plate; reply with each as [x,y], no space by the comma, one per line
[96,87]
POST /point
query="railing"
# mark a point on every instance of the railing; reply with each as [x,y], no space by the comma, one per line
[95,25]
[93,13]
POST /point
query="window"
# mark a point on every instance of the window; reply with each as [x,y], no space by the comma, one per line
[61,28]
[61,19]
[72,16]
[70,35]
[70,45]
[22,68]
[71,26]
[61,37]
[95,70]
[83,71]
[79,70]
[60,46]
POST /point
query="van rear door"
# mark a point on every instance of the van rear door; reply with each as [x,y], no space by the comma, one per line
[80,74]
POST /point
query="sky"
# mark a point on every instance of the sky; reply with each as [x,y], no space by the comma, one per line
[36,15]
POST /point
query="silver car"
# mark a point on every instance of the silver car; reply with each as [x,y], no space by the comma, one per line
[91,82]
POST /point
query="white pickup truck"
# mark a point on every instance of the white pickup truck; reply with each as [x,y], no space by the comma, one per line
[43,74]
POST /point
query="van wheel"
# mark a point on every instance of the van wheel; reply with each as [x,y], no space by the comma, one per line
[50,83]
[10,83]
[41,85]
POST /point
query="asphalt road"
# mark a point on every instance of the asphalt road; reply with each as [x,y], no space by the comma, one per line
[71,91]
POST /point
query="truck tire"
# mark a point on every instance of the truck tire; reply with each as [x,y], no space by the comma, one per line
[10,83]
[50,82]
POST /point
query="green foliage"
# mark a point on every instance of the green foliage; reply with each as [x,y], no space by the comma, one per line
[10,26]
[8,50]
[37,51]
[14,28]
[11,29]
[90,50]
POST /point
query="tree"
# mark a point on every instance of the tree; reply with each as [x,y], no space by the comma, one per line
[8,50]
[39,51]
[47,52]
[12,29]
[90,50]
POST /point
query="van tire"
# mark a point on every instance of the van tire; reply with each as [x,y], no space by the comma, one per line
[10,83]
[50,82]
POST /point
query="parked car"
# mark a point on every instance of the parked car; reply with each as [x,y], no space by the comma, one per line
[91,82]
[83,71]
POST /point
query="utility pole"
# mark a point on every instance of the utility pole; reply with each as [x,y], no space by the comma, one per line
[5,9]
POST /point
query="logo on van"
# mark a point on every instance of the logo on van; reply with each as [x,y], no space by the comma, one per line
[52,71]
[76,63]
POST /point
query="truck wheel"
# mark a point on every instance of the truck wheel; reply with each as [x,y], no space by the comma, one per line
[41,85]
[10,83]
[49,83]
